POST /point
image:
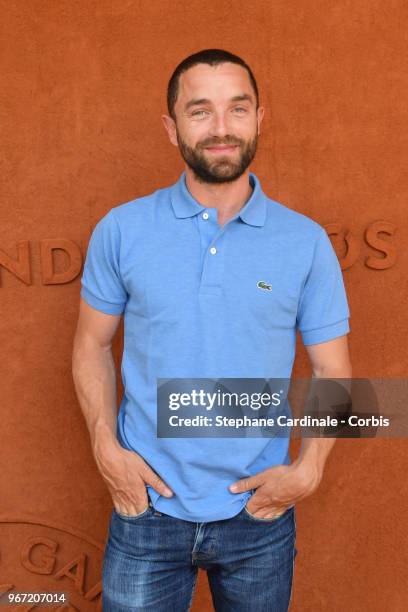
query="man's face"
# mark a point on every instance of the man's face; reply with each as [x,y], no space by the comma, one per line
[217,123]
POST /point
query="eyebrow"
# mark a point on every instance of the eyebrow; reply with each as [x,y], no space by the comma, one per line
[240,98]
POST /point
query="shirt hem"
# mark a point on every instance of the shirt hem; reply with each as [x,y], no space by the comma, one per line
[199,518]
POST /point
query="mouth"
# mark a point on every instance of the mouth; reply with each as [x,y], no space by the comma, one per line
[222,148]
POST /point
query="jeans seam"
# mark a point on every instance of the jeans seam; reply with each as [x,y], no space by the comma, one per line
[293,562]
[192,591]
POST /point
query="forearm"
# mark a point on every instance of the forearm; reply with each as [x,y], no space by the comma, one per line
[314,452]
[94,376]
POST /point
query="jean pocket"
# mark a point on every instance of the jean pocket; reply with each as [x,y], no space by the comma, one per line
[262,519]
[133,517]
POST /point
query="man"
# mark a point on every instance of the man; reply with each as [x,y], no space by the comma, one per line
[214,278]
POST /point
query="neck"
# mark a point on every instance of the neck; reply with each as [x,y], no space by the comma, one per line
[228,198]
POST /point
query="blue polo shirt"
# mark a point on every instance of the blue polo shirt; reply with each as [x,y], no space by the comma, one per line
[188,289]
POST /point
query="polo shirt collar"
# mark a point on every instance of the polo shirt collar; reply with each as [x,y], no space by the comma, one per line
[252,213]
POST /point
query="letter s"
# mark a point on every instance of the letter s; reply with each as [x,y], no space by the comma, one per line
[374,241]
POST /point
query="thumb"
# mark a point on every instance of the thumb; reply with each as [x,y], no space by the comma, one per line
[245,484]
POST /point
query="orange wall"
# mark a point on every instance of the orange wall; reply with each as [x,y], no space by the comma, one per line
[83,87]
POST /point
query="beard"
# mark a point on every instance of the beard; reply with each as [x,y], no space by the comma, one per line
[224,169]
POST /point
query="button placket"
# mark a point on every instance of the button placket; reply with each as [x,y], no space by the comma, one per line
[213,260]
[211,276]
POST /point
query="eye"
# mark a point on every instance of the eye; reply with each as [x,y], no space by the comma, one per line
[240,108]
[199,113]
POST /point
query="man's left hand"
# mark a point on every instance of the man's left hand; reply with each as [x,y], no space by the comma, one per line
[278,488]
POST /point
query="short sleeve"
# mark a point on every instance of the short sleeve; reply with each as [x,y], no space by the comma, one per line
[102,286]
[323,312]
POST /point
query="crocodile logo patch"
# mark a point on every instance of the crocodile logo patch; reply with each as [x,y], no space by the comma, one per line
[263,285]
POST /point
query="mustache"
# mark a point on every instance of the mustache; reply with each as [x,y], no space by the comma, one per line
[214,143]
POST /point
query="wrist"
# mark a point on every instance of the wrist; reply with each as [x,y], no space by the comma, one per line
[308,470]
[103,439]
[313,455]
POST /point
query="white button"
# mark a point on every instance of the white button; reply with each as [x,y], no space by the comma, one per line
[205,215]
[213,250]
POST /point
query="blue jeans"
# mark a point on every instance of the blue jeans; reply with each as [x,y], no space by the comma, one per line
[151,562]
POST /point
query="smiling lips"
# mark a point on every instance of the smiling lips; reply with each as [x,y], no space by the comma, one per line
[222,148]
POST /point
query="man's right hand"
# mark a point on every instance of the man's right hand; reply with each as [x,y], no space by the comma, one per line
[126,473]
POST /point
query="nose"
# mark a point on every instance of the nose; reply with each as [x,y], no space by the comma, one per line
[218,126]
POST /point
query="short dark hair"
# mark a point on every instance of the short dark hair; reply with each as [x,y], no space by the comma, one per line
[212,57]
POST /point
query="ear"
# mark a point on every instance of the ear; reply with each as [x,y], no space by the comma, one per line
[259,116]
[170,126]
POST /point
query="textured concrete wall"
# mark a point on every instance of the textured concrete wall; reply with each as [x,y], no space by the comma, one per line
[82,89]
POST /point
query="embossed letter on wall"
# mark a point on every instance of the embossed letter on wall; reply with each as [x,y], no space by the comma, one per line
[372,238]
